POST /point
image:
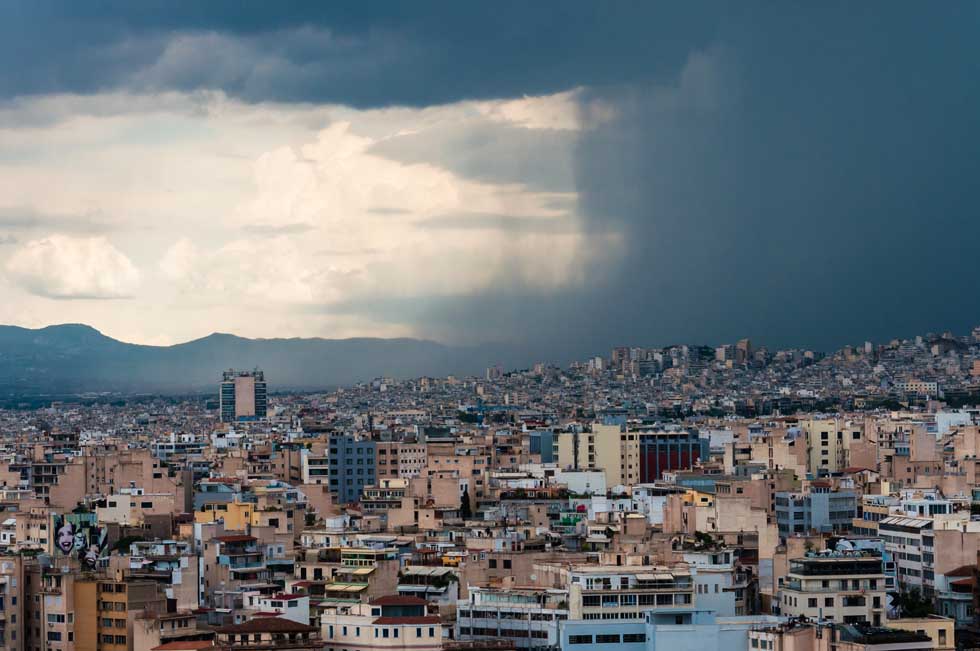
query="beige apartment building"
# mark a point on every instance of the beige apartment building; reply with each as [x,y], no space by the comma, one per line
[835,587]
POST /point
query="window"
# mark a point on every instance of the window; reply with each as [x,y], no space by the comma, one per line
[607,639]
[580,639]
[811,603]
[493,563]
[506,563]
[432,631]
[634,637]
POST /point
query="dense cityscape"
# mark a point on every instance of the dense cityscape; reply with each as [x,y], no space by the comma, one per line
[493,325]
[723,497]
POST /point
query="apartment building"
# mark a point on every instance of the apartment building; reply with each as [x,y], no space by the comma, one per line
[392,623]
[819,509]
[528,617]
[835,587]
[828,443]
[611,592]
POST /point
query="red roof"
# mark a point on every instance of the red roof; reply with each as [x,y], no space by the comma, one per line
[234,539]
[267,625]
[962,570]
[427,619]
[398,600]
[282,596]
[187,645]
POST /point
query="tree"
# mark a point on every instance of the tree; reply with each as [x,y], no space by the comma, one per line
[465,511]
[911,603]
[702,539]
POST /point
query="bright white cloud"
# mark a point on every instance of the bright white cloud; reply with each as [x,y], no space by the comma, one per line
[66,267]
[261,219]
[375,214]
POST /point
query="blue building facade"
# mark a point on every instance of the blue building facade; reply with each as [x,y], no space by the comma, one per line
[353,466]
[542,441]
[819,510]
[693,630]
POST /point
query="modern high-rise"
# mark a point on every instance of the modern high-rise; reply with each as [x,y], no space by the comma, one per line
[242,395]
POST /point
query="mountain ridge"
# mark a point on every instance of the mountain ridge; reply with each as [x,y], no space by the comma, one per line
[75,357]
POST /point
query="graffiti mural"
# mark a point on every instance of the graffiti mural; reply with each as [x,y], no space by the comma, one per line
[79,535]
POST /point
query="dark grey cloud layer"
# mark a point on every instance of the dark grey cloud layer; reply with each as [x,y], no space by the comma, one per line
[801,175]
[362,54]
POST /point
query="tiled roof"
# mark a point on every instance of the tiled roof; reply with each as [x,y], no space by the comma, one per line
[427,619]
[186,645]
[267,625]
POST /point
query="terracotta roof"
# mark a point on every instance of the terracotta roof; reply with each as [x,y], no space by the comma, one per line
[398,600]
[267,625]
[427,619]
[187,645]
[236,538]
[962,570]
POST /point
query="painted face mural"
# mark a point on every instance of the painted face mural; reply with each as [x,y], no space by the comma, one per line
[79,535]
[66,537]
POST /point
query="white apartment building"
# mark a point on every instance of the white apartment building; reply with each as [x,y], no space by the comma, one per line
[527,616]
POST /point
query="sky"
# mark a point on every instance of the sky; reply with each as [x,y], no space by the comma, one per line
[559,176]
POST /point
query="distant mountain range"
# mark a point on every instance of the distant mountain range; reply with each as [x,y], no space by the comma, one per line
[74,358]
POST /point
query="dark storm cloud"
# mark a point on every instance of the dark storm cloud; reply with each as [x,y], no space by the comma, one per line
[814,183]
[361,54]
[811,179]
[804,175]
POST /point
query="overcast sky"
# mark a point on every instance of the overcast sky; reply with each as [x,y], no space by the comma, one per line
[567,176]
